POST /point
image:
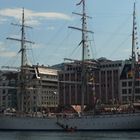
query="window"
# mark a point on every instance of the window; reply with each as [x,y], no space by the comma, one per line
[137,83]
[137,90]
[4,91]
[129,83]
[124,91]
[3,98]
[124,84]
[129,91]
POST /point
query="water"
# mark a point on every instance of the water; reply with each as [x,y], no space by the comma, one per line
[108,135]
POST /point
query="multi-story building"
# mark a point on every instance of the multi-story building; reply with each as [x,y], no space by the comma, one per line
[8,89]
[126,87]
[108,76]
[41,89]
[115,82]
[36,90]
[45,89]
[70,91]
[106,79]
[48,80]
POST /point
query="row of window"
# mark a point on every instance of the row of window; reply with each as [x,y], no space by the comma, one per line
[50,76]
[49,98]
[110,65]
[129,91]
[129,83]
[74,68]
[49,92]
[49,103]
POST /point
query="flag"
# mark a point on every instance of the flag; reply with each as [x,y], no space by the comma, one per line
[80,2]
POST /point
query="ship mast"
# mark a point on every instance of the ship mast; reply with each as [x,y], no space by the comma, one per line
[85,52]
[83,78]
[23,61]
[133,64]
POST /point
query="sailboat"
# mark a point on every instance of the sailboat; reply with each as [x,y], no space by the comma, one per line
[84,122]
[21,120]
[112,121]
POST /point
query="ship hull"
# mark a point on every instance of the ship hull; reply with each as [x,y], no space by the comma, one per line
[28,123]
[113,122]
[104,122]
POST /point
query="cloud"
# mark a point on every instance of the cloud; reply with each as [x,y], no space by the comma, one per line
[36,46]
[32,17]
[4,52]
[2,20]
[50,28]
[7,54]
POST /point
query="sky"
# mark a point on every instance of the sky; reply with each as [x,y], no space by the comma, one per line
[111,23]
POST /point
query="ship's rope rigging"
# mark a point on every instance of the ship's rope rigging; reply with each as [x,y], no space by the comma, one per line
[13,62]
[64,41]
[113,36]
[119,47]
[112,40]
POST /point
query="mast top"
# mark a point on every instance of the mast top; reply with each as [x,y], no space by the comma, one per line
[82,1]
[22,40]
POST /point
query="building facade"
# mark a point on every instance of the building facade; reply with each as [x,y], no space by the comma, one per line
[108,76]
[106,88]
[70,81]
[48,80]
[46,88]
[41,89]
[8,89]
[126,86]
[35,90]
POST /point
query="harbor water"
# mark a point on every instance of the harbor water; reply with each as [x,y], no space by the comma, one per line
[102,135]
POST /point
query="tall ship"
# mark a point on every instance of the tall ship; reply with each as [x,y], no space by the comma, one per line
[74,122]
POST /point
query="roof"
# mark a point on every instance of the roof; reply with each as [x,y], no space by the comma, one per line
[47,71]
[125,71]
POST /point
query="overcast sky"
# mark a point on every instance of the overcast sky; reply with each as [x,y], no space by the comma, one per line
[111,23]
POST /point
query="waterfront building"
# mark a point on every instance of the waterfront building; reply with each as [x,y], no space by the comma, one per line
[70,85]
[8,90]
[108,76]
[126,85]
[37,92]
[115,82]
[107,79]
[47,93]
[41,89]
